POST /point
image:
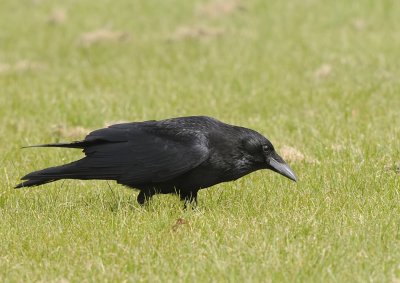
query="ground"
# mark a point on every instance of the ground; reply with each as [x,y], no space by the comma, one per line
[319,78]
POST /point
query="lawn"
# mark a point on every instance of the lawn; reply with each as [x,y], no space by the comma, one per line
[321,79]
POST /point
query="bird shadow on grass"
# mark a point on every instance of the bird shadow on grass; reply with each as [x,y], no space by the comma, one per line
[117,202]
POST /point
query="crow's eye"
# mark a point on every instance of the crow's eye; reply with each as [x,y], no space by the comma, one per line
[266,148]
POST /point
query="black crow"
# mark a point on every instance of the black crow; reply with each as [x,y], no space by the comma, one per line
[173,156]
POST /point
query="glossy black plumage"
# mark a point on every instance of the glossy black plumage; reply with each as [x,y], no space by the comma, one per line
[179,155]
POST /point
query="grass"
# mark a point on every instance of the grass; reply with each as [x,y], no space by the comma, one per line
[319,76]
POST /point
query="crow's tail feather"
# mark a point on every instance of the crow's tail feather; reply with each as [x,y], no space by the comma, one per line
[48,175]
[33,183]
[76,144]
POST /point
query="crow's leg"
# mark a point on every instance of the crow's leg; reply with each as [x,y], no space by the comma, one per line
[145,195]
[189,198]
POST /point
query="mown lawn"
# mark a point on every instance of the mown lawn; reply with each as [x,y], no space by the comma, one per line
[321,79]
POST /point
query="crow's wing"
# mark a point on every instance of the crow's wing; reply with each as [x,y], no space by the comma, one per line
[133,154]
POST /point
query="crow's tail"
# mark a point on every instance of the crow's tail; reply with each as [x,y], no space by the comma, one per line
[48,175]
[33,183]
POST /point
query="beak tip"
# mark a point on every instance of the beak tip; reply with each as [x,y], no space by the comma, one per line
[291,176]
[283,169]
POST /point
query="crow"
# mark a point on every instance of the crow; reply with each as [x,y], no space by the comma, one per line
[173,156]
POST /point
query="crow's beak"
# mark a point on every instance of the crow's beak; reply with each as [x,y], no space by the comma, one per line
[279,166]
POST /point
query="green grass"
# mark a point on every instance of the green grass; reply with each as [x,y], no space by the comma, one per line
[339,223]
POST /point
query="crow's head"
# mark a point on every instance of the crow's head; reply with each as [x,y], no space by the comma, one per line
[262,154]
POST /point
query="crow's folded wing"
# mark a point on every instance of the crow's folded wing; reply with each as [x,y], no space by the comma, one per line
[132,155]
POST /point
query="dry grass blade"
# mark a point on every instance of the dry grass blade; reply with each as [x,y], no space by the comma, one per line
[178,224]
[291,154]
[57,17]
[220,8]
[196,32]
[63,131]
[102,36]
[394,167]
[323,71]
[21,66]
[359,24]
